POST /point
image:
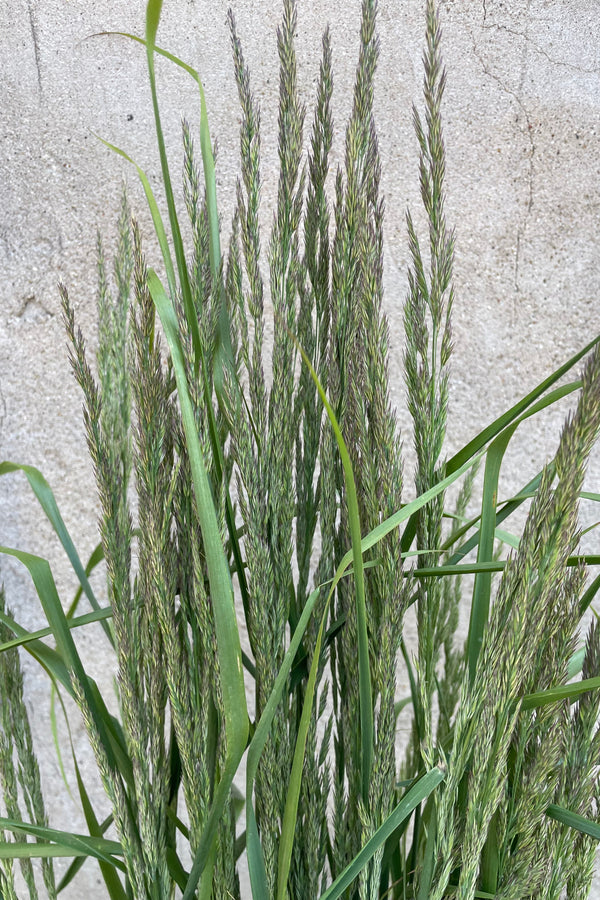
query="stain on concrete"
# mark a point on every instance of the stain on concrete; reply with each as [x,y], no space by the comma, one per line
[32,311]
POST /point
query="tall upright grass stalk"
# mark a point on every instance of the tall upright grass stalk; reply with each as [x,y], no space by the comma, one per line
[19,770]
[275,497]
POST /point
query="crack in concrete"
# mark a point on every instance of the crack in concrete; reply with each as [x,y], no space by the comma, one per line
[518,98]
[2,409]
[36,46]
[538,49]
[498,26]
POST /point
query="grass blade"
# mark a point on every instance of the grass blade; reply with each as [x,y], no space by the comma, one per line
[588,559]
[560,692]
[49,659]
[79,861]
[210,183]
[29,636]
[480,440]
[256,863]
[45,496]
[157,221]
[508,507]
[480,606]
[228,640]
[153,11]
[364,670]
[409,802]
[574,820]
[39,851]
[407,511]
[78,844]
[43,580]
[223,353]
[498,425]
[111,879]
[588,597]
[293,794]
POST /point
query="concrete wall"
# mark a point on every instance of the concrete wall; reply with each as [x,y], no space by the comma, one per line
[522,117]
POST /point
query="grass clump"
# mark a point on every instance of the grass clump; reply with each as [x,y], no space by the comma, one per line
[276,497]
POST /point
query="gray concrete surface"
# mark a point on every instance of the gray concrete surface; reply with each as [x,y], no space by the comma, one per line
[522,116]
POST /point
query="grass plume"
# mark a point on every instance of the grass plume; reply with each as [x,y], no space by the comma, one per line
[257,545]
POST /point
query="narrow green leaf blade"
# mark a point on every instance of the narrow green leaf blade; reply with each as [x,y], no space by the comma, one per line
[157,221]
[495,427]
[79,844]
[290,814]
[47,501]
[153,11]
[409,802]
[87,619]
[482,588]
[228,640]
[40,851]
[364,670]
[43,580]
[560,692]
[112,881]
[256,864]
[49,659]
[574,820]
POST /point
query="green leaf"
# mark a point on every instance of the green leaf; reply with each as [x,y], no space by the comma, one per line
[588,559]
[157,221]
[576,663]
[480,605]
[475,445]
[482,588]
[407,511]
[409,802]
[153,11]
[95,559]
[256,864]
[54,693]
[111,879]
[29,636]
[560,692]
[414,691]
[574,820]
[290,814]
[79,861]
[43,493]
[66,659]
[49,659]
[93,827]
[39,851]
[223,353]
[588,597]
[223,350]
[508,507]
[364,670]
[499,424]
[77,844]
[221,591]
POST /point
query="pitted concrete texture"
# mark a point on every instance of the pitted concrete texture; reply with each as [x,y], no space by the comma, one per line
[522,130]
